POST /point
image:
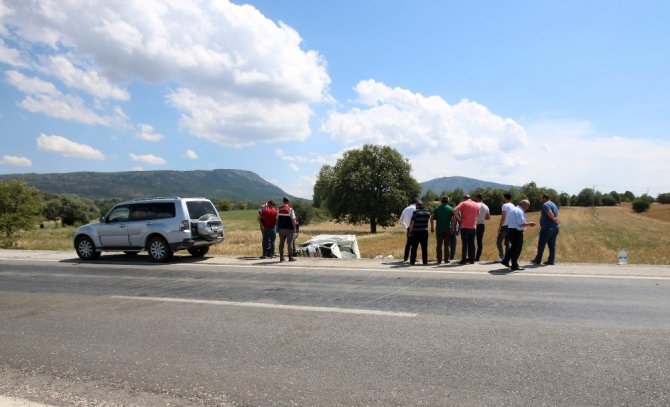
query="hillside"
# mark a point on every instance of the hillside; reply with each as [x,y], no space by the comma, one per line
[214,184]
[438,185]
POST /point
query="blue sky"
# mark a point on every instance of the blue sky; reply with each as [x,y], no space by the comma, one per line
[568,94]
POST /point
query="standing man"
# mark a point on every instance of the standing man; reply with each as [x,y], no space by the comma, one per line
[507,206]
[484,215]
[418,230]
[516,225]
[405,219]
[467,211]
[443,214]
[548,231]
[286,224]
[267,219]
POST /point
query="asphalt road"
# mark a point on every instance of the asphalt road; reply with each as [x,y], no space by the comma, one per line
[127,332]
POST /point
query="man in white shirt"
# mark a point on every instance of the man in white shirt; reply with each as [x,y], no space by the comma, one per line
[405,220]
[516,225]
[484,215]
[507,206]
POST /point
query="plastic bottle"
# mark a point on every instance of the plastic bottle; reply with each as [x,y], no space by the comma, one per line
[623,257]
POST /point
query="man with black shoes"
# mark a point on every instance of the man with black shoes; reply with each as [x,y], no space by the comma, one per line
[516,225]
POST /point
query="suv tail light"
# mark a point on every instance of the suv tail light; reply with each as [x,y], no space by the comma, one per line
[185,225]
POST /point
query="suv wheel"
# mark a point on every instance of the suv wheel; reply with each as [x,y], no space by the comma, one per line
[198,251]
[86,248]
[159,250]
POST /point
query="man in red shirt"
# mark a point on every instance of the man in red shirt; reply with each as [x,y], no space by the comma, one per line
[467,212]
[267,219]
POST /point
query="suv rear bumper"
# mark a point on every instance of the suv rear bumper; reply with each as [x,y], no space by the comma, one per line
[188,243]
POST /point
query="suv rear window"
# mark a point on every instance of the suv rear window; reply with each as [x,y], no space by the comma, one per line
[198,208]
[152,210]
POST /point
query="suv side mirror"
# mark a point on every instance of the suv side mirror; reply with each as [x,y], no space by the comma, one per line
[102,219]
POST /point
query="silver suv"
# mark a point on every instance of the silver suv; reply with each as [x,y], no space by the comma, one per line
[160,226]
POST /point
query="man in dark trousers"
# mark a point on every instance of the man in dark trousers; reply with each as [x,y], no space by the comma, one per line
[418,230]
[515,228]
[267,219]
[548,231]
[405,219]
[286,224]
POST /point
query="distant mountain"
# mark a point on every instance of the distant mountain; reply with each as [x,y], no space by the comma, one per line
[214,184]
[438,185]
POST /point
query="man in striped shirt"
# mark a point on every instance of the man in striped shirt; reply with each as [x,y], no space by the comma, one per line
[418,230]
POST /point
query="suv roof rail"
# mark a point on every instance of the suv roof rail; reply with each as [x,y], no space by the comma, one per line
[155,197]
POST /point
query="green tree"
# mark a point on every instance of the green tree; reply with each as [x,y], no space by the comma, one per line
[610,200]
[368,185]
[588,197]
[564,199]
[304,211]
[224,204]
[430,196]
[455,196]
[70,209]
[663,198]
[614,195]
[627,197]
[20,209]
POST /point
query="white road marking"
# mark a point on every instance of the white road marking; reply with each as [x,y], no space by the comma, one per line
[275,306]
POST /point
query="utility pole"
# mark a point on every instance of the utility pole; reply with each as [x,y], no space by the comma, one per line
[593,203]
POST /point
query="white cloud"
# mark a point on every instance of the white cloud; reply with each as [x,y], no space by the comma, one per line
[233,121]
[293,166]
[240,77]
[11,56]
[148,159]
[415,123]
[190,154]
[43,97]
[147,133]
[67,148]
[89,81]
[572,155]
[15,161]
[303,187]
[310,158]
[30,85]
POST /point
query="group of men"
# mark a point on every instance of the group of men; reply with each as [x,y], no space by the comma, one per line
[468,219]
[282,221]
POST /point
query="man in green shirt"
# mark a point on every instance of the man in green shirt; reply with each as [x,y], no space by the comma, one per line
[443,214]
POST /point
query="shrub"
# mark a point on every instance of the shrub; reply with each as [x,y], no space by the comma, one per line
[641,205]
[664,198]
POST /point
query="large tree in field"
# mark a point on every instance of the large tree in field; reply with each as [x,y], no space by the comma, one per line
[368,185]
[20,209]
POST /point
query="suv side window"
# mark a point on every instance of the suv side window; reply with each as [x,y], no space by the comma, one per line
[198,208]
[153,210]
[119,214]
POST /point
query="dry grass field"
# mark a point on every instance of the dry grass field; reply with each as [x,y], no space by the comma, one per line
[588,235]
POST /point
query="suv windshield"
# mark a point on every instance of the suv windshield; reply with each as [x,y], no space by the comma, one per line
[198,208]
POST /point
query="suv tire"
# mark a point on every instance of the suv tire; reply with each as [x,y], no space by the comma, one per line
[198,251]
[86,248]
[159,250]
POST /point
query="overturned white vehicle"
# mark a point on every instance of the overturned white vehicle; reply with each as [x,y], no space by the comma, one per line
[330,246]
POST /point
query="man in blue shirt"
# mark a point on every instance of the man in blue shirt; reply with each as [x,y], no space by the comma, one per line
[548,231]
